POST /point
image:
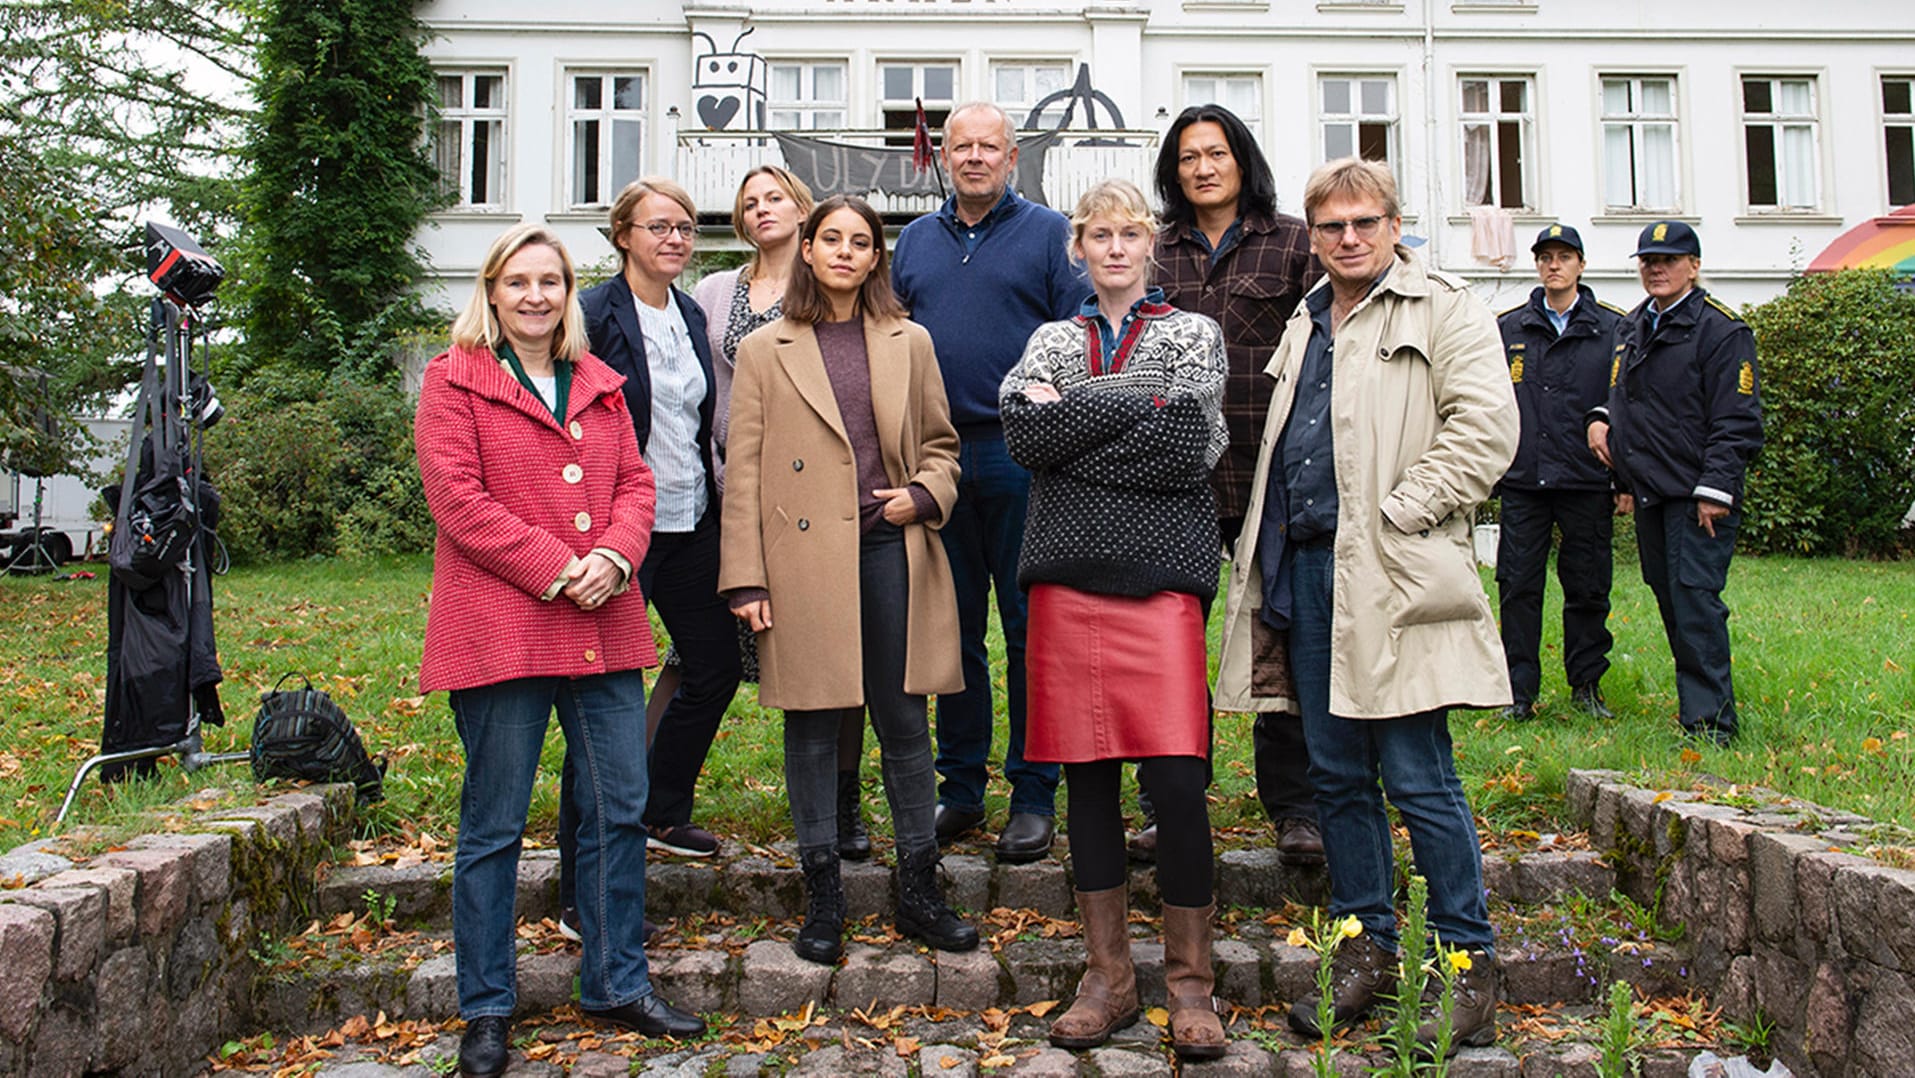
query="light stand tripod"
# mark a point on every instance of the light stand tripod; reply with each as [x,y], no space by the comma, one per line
[30,558]
[172,326]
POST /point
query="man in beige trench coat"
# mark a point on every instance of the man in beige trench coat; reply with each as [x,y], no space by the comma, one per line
[1355,600]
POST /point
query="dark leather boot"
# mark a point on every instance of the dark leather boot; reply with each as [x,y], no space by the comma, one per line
[922,914]
[854,842]
[1473,1005]
[1107,994]
[1362,972]
[821,940]
[1189,981]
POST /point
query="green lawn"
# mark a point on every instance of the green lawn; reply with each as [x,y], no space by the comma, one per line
[1823,651]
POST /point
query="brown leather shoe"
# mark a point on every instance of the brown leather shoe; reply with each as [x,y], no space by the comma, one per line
[1361,973]
[1143,846]
[1107,995]
[1473,1006]
[1299,842]
[1189,981]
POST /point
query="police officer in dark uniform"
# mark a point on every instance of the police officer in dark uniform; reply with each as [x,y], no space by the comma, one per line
[1559,346]
[1683,418]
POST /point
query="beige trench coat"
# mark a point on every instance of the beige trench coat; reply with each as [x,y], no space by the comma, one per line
[791,510]
[1424,423]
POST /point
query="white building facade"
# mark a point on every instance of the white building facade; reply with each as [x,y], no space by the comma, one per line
[1770,125]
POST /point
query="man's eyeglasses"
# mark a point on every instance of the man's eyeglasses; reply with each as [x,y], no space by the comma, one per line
[685,229]
[1331,231]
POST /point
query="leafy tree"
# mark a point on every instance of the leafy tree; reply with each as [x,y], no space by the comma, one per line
[340,182]
[99,126]
[1837,468]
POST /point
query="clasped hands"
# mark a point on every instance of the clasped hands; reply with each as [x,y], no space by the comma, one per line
[593,579]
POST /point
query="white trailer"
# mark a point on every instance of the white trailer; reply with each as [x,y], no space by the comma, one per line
[67,527]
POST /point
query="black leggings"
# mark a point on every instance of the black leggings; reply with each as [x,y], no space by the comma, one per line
[1184,857]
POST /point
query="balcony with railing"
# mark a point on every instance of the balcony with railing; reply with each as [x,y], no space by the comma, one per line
[1054,167]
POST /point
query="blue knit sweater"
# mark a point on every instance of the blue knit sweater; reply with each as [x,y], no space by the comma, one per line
[981,308]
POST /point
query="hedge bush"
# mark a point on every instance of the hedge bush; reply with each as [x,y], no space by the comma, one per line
[333,474]
[1836,474]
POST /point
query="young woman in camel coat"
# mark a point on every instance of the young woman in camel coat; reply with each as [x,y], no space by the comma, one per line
[842,460]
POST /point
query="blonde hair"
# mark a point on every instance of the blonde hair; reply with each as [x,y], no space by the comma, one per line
[1003,118]
[478,327]
[1117,200]
[1114,200]
[793,187]
[1351,177]
[628,199]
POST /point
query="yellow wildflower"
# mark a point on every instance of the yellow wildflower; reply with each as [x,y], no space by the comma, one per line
[1351,928]
[1460,961]
[1297,938]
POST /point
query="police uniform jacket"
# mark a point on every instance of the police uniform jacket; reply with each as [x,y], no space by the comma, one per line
[1557,380]
[1685,405]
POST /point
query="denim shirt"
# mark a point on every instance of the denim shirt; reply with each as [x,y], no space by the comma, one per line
[1110,340]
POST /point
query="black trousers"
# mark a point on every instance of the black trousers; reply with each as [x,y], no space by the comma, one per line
[1583,566]
[679,578]
[1687,569]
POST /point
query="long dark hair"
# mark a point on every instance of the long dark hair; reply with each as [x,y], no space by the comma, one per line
[1258,198]
[805,302]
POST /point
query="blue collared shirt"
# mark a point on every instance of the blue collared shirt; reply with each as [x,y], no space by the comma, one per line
[1107,339]
[1309,467]
[1560,321]
[1231,237]
[1655,313]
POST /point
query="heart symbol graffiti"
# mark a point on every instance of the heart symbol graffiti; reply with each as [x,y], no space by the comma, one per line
[717,111]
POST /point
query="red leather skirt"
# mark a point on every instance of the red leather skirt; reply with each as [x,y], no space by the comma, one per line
[1115,678]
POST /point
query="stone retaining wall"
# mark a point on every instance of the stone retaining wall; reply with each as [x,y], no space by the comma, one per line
[137,961]
[1778,920]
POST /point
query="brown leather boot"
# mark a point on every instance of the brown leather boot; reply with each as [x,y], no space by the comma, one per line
[1107,995]
[1189,979]
[1361,973]
[1473,1006]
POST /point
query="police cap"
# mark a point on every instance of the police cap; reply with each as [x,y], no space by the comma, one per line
[1668,238]
[1562,234]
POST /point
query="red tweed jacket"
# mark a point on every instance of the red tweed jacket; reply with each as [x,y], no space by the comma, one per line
[515,495]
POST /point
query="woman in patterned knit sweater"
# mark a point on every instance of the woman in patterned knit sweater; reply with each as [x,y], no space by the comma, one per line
[1118,414]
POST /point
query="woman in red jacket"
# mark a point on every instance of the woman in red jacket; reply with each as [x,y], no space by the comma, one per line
[543,507]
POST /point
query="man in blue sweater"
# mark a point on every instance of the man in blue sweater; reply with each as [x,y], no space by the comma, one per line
[981,273]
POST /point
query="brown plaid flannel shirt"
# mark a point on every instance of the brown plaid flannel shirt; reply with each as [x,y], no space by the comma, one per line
[1251,292]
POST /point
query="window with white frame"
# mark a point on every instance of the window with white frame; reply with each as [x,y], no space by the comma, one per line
[1240,93]
[1499,135]
[1018,87]
[1639,144]
[1898,135]
[808,95]
[605,119]
[1779,133]
[469,143]
[1357,115]
[901,84]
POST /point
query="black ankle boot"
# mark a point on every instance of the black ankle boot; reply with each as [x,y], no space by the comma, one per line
[821,940]
[854,842]
[922,913]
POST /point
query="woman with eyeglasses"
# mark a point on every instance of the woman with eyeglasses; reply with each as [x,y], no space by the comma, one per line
[648,330]
[843,464]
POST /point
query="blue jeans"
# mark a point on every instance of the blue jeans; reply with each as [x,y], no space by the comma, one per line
[982,538]
[503,729]
[1355,762]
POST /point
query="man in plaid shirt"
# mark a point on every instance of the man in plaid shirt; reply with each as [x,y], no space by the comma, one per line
[1226,252]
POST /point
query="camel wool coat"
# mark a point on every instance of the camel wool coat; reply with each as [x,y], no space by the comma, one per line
[1424,422]
[791,510]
